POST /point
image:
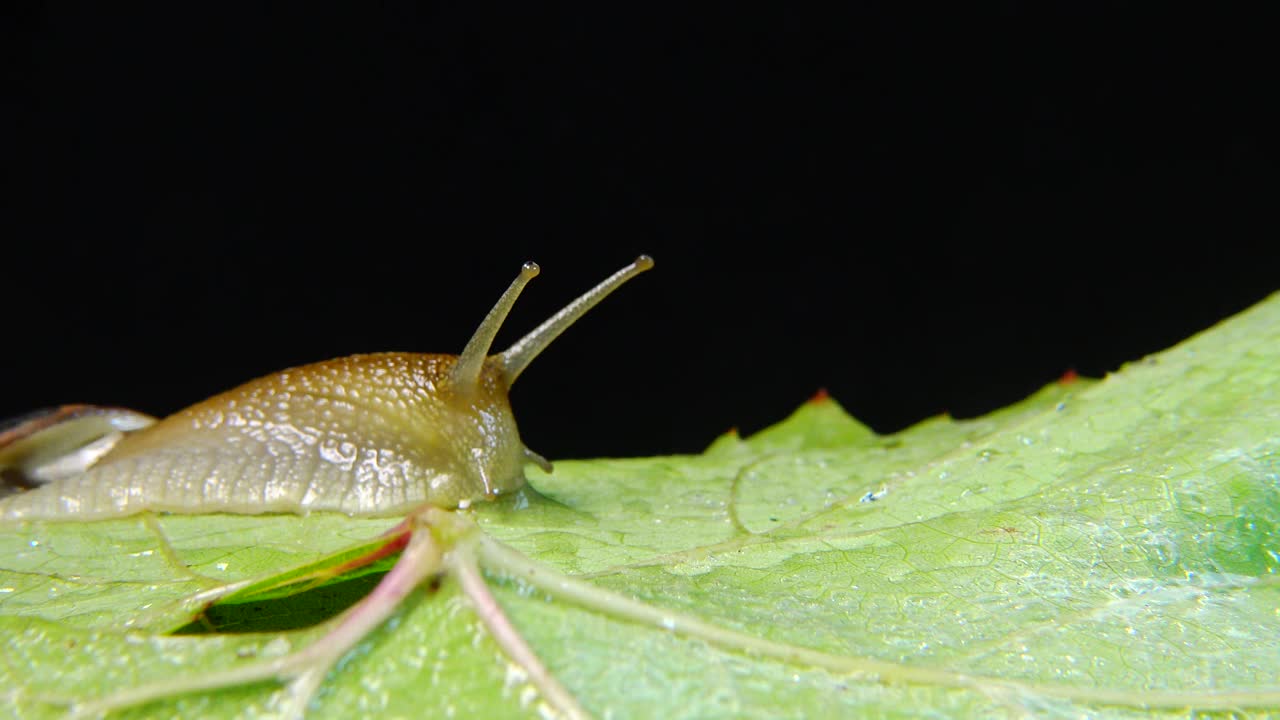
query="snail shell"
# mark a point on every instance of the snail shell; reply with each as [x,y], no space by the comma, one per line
[53,443]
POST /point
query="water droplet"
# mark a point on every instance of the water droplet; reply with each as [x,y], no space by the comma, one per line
[221,566]
[527,695]
[34,543]
[277,647]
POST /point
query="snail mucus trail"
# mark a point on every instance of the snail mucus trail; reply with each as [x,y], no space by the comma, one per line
[381,434]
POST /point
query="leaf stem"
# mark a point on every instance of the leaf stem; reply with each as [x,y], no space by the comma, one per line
[463,562]
[306,668]
[500,558]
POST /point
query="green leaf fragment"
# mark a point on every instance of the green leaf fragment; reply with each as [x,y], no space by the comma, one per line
[1100,546]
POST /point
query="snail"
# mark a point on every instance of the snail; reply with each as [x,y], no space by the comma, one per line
[386,434]
[373,435]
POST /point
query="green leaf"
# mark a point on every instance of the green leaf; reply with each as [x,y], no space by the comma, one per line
[1099,548]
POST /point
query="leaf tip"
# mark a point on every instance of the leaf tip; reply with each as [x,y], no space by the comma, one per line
[819,397]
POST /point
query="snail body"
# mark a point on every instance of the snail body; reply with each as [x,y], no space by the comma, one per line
[374,434]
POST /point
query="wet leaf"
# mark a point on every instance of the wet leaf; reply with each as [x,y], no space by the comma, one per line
[1099,547]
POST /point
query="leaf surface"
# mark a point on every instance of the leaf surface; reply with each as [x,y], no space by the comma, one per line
[1100,546]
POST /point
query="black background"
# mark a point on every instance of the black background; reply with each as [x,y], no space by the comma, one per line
[920,210]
